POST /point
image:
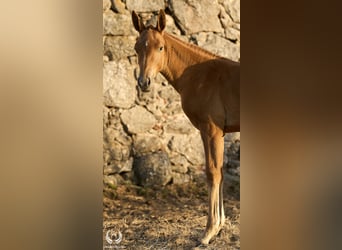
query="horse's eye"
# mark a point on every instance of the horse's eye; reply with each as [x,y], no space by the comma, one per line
[161,48]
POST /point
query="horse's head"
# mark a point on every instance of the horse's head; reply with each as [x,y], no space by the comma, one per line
[150,47]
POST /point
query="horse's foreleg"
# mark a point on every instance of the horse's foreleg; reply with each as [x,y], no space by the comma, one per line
[222,216]
[213,147]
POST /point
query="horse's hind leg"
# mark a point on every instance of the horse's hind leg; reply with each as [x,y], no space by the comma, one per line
[213,147]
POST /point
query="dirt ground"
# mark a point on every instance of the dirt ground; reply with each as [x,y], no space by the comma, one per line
[173,217]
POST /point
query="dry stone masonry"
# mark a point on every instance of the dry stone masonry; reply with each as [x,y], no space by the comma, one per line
[147,138]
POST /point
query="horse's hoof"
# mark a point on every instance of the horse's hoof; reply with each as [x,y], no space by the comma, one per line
[209,234]
[200,246]
[205,241]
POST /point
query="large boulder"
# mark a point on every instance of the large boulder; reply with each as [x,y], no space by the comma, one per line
[152,170]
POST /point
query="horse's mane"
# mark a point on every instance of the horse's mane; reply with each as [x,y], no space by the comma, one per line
[193,47]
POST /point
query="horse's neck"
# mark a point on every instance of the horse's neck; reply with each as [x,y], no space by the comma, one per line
[180,56]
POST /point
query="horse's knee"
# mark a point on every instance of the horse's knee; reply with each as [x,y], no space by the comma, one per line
[214,175]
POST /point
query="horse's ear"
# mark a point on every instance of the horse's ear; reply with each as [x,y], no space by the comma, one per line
[161,23]
[137,22]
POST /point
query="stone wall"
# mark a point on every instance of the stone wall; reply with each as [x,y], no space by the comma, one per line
[147,137]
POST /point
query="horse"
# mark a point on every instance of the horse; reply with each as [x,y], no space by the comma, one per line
[209,87]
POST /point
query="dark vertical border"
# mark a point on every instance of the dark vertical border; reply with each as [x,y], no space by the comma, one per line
[51,125]
[291,125]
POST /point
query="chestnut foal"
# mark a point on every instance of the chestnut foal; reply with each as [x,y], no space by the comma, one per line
[209,86]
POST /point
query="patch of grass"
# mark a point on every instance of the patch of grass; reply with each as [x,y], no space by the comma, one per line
[112,186]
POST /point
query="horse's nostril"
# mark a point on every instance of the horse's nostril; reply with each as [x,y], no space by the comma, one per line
[140,81]
[144,83]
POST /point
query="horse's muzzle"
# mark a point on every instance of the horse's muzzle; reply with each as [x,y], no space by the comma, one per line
[144,84]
